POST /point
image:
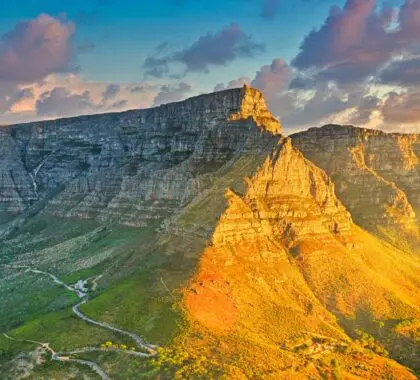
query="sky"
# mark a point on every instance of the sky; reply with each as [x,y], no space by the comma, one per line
[316,61]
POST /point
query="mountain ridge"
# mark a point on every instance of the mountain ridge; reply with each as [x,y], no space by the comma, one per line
[100,154]
[215,237]
[377,175]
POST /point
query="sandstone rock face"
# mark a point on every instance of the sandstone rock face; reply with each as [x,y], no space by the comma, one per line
[288,197]
[253,106]
[284,257]
[377,175]
[134,167]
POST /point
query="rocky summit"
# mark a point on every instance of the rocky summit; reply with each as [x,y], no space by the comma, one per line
[193,240]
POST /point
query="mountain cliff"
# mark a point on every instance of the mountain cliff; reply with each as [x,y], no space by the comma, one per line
[131,168]
[200,227]
[285,257]
[377,176]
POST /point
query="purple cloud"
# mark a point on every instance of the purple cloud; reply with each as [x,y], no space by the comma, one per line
[236,83]
[211,49]
[111,91]
[170,94]
[272,79]
[403,108]
[404,73]
[36,48]
[10,95]
[59,102]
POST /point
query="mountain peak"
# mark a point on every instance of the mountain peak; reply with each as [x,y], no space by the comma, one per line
[253,105]
[233,104]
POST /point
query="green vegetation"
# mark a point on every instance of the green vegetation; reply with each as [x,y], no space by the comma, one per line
[130,293]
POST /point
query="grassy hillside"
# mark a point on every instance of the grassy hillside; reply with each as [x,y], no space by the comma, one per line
[272,281]
[140,269]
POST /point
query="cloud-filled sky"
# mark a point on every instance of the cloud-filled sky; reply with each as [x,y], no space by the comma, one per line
[317,61]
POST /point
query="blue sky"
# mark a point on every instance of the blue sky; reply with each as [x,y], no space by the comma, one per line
[125,32]
[302,53]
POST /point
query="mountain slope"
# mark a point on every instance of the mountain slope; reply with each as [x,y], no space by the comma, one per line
[208,233]
[281,256]
[377,176]
[132,168]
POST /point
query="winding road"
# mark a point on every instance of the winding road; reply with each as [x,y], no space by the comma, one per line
[66,356]
[139,340]
[61,358]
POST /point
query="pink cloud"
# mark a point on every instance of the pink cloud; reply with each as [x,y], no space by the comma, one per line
[403,108]
[357,40]
[273,78]
[172,93]
[36,48]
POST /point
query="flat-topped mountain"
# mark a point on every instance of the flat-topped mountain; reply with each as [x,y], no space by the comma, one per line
[129,167]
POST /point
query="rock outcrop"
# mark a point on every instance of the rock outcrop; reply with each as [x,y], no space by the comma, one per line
[289,197]
[377,174]
[285,257]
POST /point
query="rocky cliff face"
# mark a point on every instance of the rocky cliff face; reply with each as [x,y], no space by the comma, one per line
[289,197]
[134,167]
[377,175]
[284,257]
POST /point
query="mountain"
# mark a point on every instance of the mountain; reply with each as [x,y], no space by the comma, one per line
[377,176]
[99,166]
[241,253]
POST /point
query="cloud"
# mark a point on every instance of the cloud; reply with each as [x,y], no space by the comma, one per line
[141,89]
[174,93]
[302,82]
[402,108]
[35,49]
[236,83]
[366,108]
[60,102]
[409,22]
[69,95]
[272,79]
[110,92]
[10,95]
[118,105]
[157,67]
[211,49]
[323,103]
[353,43]
[300,102]
[404,73]
[342,66]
